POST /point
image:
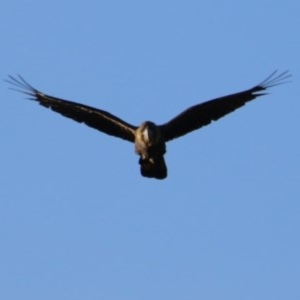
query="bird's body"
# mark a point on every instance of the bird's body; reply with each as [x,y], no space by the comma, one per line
[150,139]
[150,146]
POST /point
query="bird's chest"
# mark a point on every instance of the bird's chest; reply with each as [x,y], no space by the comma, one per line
[147,150]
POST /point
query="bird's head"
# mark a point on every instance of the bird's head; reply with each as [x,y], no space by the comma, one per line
[149,133]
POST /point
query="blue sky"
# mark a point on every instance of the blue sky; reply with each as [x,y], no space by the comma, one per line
[77,221]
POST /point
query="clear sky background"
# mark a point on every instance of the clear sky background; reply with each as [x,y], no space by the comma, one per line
[77,220]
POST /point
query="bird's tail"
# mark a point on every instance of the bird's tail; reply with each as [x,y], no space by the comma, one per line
[153,167]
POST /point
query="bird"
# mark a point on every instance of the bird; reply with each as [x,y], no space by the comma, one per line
[149,138]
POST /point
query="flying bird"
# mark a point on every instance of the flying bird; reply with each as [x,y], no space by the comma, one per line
[150,139]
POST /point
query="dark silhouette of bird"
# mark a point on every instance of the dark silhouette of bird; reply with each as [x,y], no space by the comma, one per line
[150,139]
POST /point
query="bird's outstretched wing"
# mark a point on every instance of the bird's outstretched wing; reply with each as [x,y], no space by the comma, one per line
[96,118]
[204,113]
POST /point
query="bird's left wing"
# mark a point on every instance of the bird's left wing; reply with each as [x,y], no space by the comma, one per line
[204,113]
[95,118]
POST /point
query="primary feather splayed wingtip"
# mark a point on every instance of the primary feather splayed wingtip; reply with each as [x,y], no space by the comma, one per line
[21,85]
[275,79]
[152,148]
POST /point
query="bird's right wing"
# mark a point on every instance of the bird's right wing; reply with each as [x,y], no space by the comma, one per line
[204,113]
[95,118]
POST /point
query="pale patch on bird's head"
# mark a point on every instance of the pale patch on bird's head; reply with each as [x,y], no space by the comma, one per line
[150,133]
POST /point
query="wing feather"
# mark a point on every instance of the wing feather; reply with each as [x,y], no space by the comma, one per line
[203,114]
[93,117]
